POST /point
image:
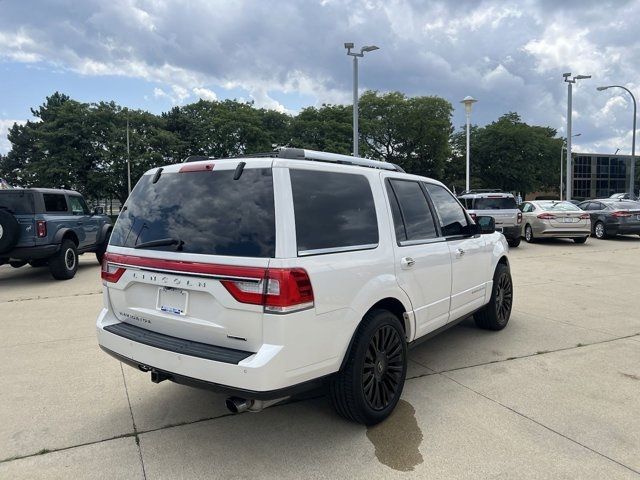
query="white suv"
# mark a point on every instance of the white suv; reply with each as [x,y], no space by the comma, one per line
[266,276]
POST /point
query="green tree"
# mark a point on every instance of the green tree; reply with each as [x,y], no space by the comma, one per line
[410,131]
[328,128]
[514,156]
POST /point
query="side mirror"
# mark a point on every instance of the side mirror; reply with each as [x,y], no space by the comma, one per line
[486,224]
[98,211]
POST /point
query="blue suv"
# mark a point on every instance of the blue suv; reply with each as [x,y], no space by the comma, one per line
[43,226]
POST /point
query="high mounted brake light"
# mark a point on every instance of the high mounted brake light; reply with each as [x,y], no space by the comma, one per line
[197,167]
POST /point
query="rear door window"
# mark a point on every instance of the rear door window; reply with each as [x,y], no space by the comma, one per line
[206,212]
[18,203]
[412,215]
[333,212]
[55,203]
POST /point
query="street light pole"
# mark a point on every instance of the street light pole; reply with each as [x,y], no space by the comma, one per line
[468,103]
[632,170]
[363,50]
[562,149]
[570,82]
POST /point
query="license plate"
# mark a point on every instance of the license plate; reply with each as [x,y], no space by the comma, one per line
[172,300]
[568,220]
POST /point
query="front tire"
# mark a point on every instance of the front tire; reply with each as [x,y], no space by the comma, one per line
[495,315]
[64,264]
[528,234]
[369,387]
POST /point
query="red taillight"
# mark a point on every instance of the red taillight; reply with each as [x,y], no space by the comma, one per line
[41,228]
[110,272]
[281,290]
[620,213]
[519,218]
[546,216]
[584,216]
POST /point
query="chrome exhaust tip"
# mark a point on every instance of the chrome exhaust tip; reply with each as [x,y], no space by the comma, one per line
[238,405]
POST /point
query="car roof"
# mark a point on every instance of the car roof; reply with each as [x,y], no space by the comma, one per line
[487,195]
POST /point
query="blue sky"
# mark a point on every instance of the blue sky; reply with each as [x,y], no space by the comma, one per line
[154,54]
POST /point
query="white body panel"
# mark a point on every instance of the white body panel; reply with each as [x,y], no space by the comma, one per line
[288,349]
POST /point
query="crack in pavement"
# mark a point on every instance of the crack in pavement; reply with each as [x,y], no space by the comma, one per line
[133,422]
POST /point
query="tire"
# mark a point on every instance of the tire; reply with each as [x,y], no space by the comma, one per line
[599,231]
[495,315]
[64,264]
[102,248]
[528,234]
[368,388]
[17,263]
[41,262]
[513,242]
[9,231]
[580,239]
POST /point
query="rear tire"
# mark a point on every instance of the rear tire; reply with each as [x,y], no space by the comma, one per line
[528,234]
[64,264]
[580,239]
[102,248]
[514,242]
[369,387]
[495,315]
[17,263]
[599,231]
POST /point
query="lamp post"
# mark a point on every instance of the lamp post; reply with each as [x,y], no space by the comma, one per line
[632,170]
[363,50]
[564,147]
[468,103]
[570,82]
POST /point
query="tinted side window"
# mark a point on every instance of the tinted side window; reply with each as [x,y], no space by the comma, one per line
[19,203]
[54,202]
[452,216]
[416,217]
[333,210]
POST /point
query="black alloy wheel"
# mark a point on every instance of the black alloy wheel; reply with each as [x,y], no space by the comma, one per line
[383,368]
[504,298]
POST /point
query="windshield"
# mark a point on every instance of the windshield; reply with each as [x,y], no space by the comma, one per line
[18,203]
[559,206]
[494,203]
[204,212]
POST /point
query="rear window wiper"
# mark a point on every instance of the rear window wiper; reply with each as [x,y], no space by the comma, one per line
[161,242]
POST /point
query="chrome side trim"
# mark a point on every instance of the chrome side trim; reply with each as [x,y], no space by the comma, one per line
[351,248]
[406,243]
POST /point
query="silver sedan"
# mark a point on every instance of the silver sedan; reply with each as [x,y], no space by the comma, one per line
[554,219]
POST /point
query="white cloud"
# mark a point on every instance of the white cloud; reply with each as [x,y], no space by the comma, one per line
[205,93]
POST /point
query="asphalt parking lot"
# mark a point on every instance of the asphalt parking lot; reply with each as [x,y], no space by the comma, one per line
[555,395]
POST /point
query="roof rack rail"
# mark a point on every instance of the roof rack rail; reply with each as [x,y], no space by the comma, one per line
[314,155]
[481,190]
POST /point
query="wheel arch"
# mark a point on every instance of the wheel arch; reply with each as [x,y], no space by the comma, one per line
[64,234]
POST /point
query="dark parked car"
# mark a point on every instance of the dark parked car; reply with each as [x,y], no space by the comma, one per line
[610,217]
[42,226]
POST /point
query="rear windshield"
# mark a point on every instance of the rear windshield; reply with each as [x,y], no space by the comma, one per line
[204,212]
[623,205]
[18,203]
[560,206]
[498,203]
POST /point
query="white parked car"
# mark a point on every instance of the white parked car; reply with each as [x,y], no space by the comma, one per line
[263,277]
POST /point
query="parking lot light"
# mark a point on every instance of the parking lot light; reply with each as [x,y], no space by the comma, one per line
[570,81]
[632,170]
[468,104]
[564,147]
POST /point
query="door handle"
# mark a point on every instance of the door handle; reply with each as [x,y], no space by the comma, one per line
[407,262]
[460,253]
